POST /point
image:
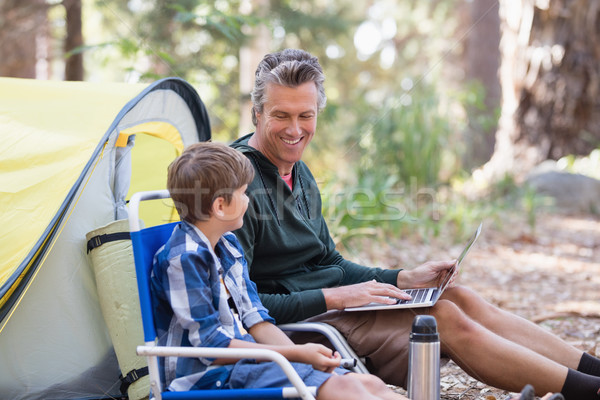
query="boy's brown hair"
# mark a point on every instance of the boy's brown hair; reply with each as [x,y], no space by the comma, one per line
[204,172]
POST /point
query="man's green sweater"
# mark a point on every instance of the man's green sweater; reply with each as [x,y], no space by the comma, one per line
[287,245]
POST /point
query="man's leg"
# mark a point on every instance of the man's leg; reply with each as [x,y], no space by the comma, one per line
[503,363]
[377,387]
[382,337]
[356,386]
[491,358]
[514,328]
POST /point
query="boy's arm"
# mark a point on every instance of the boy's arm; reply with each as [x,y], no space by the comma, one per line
[268,336]
[267,333]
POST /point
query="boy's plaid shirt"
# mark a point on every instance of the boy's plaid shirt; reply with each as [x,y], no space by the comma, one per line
[189,306]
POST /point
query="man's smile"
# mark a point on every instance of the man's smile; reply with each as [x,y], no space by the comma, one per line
[291,141]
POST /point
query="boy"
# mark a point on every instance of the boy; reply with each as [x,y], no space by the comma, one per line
[200,276]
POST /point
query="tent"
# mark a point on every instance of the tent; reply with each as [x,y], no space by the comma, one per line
[63,174]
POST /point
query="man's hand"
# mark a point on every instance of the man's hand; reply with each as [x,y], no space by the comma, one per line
[362,293]
[429,274]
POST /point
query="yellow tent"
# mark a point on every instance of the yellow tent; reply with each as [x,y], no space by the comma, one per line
[64,171]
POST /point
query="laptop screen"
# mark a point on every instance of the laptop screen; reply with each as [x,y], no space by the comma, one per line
[448,276]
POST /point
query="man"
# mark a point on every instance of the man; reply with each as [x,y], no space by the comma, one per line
[301,276]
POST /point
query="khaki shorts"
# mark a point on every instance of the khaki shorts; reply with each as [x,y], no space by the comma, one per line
[381,337]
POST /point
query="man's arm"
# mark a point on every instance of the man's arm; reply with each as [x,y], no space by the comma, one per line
[294,307]
[359,294]
[356,273]
[362,285]
[300,305]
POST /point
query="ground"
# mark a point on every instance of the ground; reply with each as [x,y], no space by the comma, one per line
[550,275]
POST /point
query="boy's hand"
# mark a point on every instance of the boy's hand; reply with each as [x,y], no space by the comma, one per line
[320,357]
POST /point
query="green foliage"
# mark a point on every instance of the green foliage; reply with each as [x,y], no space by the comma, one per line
[364,209]
[530,204]
[455,214]
[480,117]
[198,40]
[458,216]
[403,162]
[409,139]
[588,165]
[505,196]
[219,24]
[382,208]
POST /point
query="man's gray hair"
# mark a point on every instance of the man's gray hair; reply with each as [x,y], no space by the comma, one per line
[290,68]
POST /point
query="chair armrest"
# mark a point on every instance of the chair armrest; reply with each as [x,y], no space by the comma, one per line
[211,352]
[134,205]
[333,335]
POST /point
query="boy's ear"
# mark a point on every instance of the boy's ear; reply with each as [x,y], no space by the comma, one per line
[218,206]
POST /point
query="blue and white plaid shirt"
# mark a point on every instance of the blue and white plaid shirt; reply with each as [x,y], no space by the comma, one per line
[190,307]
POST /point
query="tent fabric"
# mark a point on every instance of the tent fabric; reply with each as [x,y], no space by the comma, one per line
[42,145]
[63,174]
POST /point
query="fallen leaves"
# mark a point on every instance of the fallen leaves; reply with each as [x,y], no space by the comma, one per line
[550,276]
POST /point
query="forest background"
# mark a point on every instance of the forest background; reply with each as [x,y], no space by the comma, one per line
[439,114]
[437,110]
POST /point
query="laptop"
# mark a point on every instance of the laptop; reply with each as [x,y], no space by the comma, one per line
[423,297]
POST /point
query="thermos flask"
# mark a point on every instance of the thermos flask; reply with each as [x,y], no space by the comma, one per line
[424,359]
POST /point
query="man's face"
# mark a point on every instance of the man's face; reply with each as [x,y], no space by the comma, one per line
[287,124]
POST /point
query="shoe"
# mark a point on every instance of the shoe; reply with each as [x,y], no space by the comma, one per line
[528,393]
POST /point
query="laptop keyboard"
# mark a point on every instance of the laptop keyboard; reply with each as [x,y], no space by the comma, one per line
[418,296]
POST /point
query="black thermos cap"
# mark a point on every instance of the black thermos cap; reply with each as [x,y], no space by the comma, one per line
[424,329]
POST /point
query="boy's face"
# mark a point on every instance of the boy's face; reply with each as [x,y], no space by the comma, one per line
[233,213]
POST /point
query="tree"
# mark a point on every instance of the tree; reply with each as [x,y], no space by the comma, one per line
[250,56]
[550,78]
[74,39]
[23,30]
[482,56]
[26,40]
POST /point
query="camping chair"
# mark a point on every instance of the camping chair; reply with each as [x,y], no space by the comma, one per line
[145,243]
[352,361]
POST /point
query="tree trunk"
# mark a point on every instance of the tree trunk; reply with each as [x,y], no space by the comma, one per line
[250,56]
[550,78]
[22,33]
[74,38]
[482,65]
